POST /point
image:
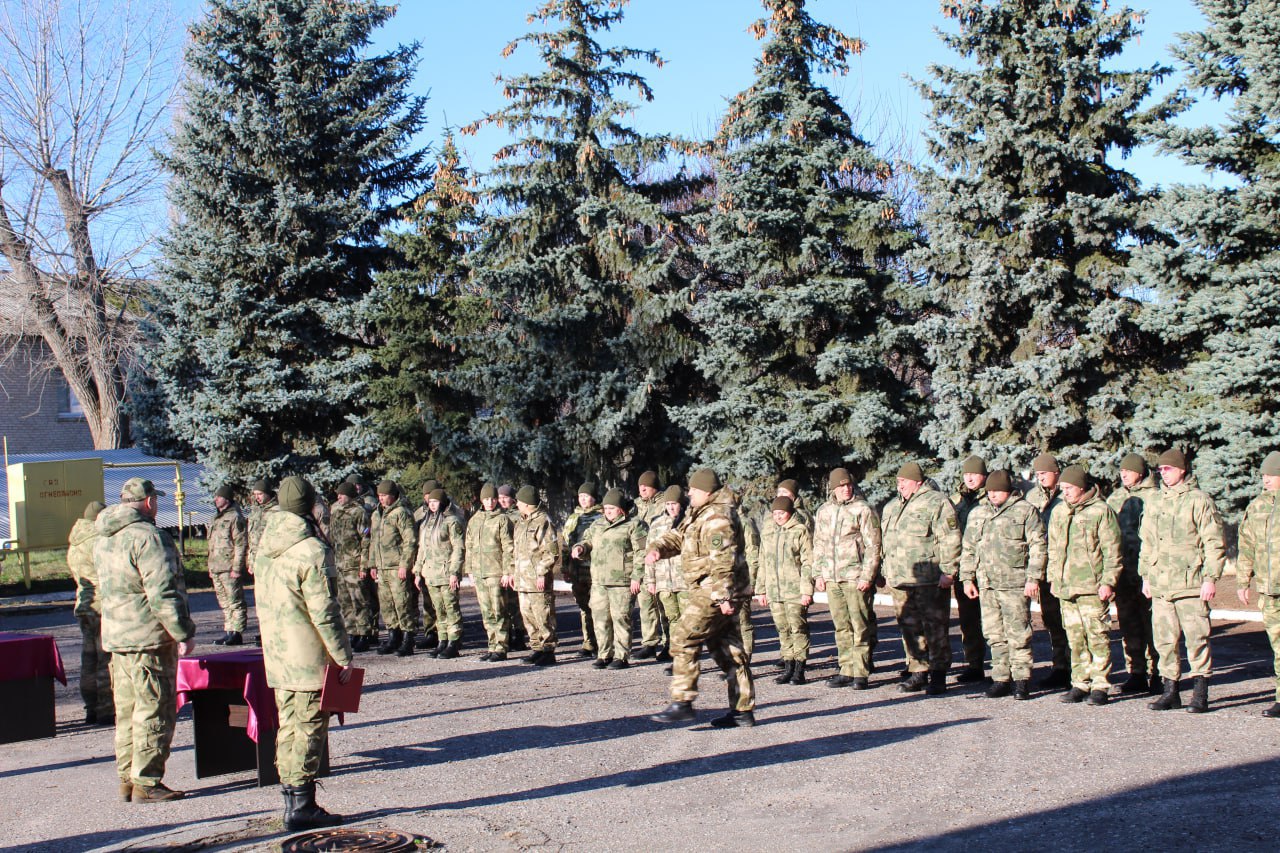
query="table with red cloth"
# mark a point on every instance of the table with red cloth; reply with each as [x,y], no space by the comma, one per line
[28,665]
[242,670]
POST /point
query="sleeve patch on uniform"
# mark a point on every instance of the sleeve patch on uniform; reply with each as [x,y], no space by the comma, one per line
[717,541]
[951,522]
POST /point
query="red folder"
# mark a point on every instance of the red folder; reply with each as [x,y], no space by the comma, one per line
[338,697]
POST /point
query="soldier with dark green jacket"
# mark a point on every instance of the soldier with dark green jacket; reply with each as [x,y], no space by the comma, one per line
[1084,566]
[614,547]
[1259,560]
[1044,497]
[95,663]
[146,626]
[1002,560]
[228,555]
[1181,561]
[784,584]
[655,631]
[536,555]
[577,572]
[302,633]
[972,490]
[393,545]
[921,560]
[488,559]
[439,570]
[1133,609]
[348,525]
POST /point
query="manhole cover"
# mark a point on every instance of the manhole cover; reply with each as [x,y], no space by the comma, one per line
[385,840]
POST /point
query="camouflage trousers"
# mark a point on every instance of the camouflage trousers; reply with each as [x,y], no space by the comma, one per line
[301,738]
[854,617]
[230,593]
[398,600]
[1087,623]
[701,624]
[493,612]
[1051,615]
[746,628]
[424,612]
[516,632]
[1270,607]
[351,601]
[145,686]
[792,622]
[969,615]
[447,610]
[652,630]
[581,585]
[95,668]
[611,615]
[1133,609]
[369,587]
[924,618]
[538,611]
[1006,622]
[672,603]
[1185,619]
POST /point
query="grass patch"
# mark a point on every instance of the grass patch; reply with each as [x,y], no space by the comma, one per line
[49,572]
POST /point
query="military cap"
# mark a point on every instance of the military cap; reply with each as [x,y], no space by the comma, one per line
[1000,481]
[264,485]
[705,480]
[488,491]
[783,503]
[1045,462]
[838,478]
[225,492]
[790,485]
[1134,462]
[614,497]
[297,496]
[911,471]
[527,495]
[673,494]
[346,489]
[1174,458]
[1073,475]
[389,487]
[138,489]
[1271,465]
[974,465]
[430,486]
[650,479]
[93,509]
[355,480]
[506,490]
[587,488]
[435,495]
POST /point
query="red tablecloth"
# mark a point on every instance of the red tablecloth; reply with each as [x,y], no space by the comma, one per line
[29,656]
[239,670]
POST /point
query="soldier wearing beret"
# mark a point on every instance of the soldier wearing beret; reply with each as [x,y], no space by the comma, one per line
[1133,609]
[1045,496]
[577,570]
[228,553]
[348,525]
[784,584]
[654,630]
[389,559]
[95,664]
[614,548]
[488,556]
[973,474]
[1259,560]
[536,553]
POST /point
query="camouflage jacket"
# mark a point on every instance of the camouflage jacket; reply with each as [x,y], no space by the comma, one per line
[440,548]
[322,514]
[536,552]
[751,548]
[1003,546]
[302,628]
[393,540]
[488,544]
[422,511]
[228,541]
[1181,542]
[84,536]
[846,541]
[965,501]
[574,531]
[1259,557]
[666,574]
[709,540]
[649,510]
[140,584]
[1044,501]
[1084,547]
[786,562]
[616,550]
[921,539]
[1128,505]
[348,526]
[257,522]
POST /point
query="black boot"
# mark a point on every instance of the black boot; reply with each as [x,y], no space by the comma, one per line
[840,680]
[1272,712]
[663,656]
[788,667]
[971,675]
[914,683]
[429,641]
[1199,695]
[394,638]
[357,643]
[1137,682]
[434,650]
[1022,690]
[676,712]
[999,689]
[449,649]
[797,673]
[301,811]
[222,641]
[1056,678]
[1074,695]
[235,638]
[1155,685]
[406,645]
[1170,699]
[937,682]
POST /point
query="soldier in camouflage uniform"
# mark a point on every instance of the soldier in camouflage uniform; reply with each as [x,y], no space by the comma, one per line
[655,632]
[784,584]
[1181,561]
[228,551]
[519,636]
[1044,497]
[146,626]
[846,562]
[614,548]
[665,579]
[1084,567]
[488,556]
[95,664]
[439,570]
[536,554]
[709,542]
[1259,560]
[348,524]
[302,633]
[263,495]
[577,572]
[921,560]
[368,586]
[1132,607]
[389,558]
[973,473]
[1002,560]
[423,608]
[791,489]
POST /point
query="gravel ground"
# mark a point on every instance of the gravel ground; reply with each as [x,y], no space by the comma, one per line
[480,756]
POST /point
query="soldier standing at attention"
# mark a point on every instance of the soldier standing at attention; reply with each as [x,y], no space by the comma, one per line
[1002,559]
[488,554]
[921,559]
[439,571]
[784,584]
[347,526]
[1133,608]
[577,572]
[614,548]
[709,542]
[95,664]
[1182,558]
[146,626]
[1259,560]
[973,475]
[423,609]
[665,578]
[846,561]
[263,495]
[655,632]
[228,553]
[1084,567]
[368,585]
[1044,497]
[302,633]
[536,553]
[389,560]
[791,489]
[519,635]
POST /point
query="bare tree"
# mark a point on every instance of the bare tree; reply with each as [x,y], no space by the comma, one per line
[85,92]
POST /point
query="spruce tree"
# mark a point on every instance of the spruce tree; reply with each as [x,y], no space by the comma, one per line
[796,302]
[291,155]
[1027,310]
[1216,309]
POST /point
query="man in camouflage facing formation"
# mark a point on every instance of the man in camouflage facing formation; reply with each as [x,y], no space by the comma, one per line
[784,584]
[614,548]
[1133,609]
[392,547]
[577,571]
[438,569]
[228,553]
[95,664]
[347,525]
[536,554]
[1259,560]
[973,473]
[146,626]
[488,554]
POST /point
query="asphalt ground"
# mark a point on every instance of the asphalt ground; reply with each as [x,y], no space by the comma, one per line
[505,756]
